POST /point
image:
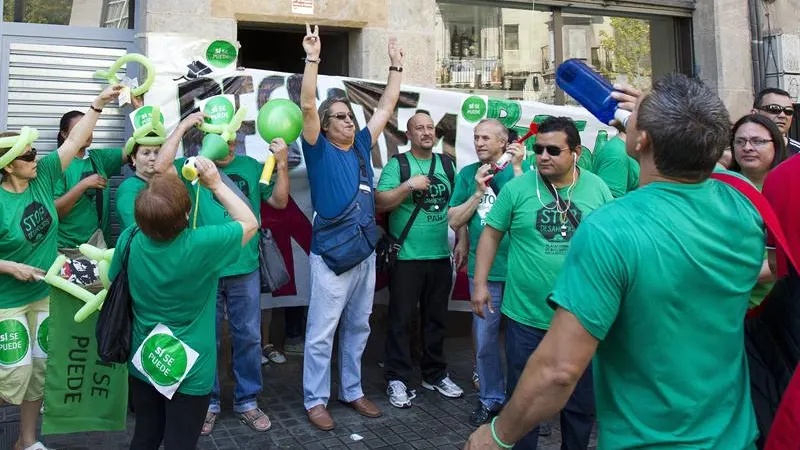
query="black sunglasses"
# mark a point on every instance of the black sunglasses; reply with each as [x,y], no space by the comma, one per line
[29,156]
[342,116]
[552,150]
[777,109]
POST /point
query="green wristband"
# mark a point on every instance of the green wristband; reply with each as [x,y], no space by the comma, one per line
[497,440]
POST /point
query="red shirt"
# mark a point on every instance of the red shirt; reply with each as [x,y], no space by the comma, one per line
[782,190]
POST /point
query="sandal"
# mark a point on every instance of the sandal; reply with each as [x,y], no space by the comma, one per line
[273,354]
[36,446]
[251,419]
[208,424]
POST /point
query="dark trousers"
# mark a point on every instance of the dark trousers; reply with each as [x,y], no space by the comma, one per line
[577,417]
[176,422]
[295,317]
[427,282]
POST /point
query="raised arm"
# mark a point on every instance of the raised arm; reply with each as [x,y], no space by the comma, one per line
[84,128]
[308,91]
[280,193]
[166,155]
[391,93]
[239,210]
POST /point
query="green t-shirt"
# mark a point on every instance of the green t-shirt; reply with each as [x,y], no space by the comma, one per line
[126,200]
[175,283]
[619,171]
[584,162]
[81,222]
[537,247]
[427,238]
[662,277]
[465,187]
[28,231]
[245,172]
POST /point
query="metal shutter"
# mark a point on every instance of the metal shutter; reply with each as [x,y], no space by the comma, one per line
[47,80]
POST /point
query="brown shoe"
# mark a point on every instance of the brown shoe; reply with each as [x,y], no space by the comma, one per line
[364,407]
[319,417]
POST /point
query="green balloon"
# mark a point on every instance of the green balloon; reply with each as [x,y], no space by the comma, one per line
[280,118]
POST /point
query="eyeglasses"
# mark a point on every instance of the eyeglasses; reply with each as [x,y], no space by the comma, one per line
[777,109]
[29,156]
[755,142]
[342,116]
[552,150]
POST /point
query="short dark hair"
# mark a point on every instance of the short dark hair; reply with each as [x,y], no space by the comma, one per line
[325,111]
[688,126]
[161,209]
[764,92]
[565,124]
[63,126]
[419,111]
[781,153]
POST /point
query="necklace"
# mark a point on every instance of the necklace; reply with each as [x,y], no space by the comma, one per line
[568,204]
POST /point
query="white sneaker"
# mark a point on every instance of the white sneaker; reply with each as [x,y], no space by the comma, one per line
[399,395]
[445,387]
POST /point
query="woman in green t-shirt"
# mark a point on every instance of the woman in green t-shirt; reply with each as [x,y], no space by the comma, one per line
[28,229]
[143,161]
[82,195]
[758,147]
[173,271]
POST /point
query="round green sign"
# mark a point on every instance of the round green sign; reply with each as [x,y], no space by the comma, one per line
[164,359]
[473,109]
[221,54]
[219,111]
[143,116]
[14,341]
[42,336]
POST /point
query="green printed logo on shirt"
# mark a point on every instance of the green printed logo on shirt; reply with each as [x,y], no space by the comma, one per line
[555,227]
[164,359]
[36,222]
[14,342]
[43,334]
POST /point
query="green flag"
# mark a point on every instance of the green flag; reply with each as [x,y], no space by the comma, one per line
[82,393]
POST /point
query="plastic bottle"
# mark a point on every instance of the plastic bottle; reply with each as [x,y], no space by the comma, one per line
[591,90]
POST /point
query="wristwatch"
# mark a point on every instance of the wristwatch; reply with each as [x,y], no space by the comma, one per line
[395,68]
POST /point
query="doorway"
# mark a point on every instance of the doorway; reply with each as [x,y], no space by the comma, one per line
[281,49]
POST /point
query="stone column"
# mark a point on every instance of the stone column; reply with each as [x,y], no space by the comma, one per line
[722,52]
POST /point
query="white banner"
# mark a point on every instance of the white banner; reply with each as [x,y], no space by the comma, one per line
[191,70]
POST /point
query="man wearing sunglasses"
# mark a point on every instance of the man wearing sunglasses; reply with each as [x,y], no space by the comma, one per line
[777,105]
[539,212]
[344,234]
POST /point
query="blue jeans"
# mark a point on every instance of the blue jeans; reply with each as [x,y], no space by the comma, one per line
[241,297]
[577,417]
[347,298]
[488,362]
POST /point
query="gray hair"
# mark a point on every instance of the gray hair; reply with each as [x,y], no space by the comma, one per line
[688,126]
[502,131]
[324,110]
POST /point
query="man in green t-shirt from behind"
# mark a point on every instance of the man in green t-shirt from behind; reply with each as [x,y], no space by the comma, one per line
[477,187]
[654,293]
[423,272]
[539,226]
[613,165]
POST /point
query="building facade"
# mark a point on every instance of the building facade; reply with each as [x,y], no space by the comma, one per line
[504,49]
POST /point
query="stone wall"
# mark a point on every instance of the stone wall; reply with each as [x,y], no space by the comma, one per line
[369,24]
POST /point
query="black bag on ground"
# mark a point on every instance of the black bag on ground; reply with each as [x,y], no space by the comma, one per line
[113,330]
